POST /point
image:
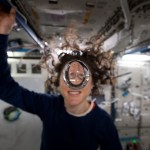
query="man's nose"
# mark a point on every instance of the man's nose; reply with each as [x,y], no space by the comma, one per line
[75,78]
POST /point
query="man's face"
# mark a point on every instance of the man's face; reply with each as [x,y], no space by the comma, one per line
[76,75]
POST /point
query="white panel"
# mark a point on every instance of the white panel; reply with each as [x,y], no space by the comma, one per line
[22,134]
[25,133]
[140,94]
[28,80]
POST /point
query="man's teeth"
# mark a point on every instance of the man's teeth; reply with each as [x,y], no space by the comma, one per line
[74,92]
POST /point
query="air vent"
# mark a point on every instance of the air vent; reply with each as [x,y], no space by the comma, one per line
[53,1]
[21,68]
[36,69]
[90,4]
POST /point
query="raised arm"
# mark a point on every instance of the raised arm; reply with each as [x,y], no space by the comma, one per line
[11,91]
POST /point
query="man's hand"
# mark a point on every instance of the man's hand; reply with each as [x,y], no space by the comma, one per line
[7,20]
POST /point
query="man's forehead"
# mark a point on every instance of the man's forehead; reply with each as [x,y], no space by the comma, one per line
[75,65]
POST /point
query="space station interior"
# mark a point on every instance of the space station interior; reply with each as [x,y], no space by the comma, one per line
[122,27]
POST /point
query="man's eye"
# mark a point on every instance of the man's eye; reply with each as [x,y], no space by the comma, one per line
[72,75]
[81,76]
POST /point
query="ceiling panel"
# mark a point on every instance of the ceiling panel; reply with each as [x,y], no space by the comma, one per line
[104,18]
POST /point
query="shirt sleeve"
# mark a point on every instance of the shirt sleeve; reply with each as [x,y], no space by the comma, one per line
[112,139]
[108,135]
[11,92]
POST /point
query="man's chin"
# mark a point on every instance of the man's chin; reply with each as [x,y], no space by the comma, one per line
[73,102]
